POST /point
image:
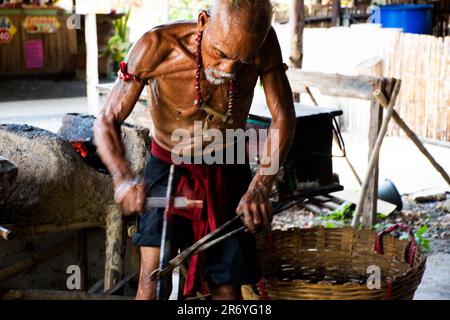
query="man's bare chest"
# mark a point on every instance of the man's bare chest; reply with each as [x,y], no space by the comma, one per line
[177,92]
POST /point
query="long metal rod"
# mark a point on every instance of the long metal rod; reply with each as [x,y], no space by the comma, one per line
[162,287]
[208,241]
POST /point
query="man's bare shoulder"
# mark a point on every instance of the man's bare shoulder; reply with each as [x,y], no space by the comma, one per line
[151,49]
[269,55]
[176,29]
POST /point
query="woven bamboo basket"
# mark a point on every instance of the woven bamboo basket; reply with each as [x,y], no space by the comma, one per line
[338,264]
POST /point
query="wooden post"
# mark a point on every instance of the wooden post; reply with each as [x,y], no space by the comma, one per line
[115,247]
[297,18]
[369,206]
[336,15]
[91,62]
[373,161]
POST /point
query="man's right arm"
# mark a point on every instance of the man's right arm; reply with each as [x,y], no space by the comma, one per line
[142,59]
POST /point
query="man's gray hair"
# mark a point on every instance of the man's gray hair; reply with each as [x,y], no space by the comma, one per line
[262,12]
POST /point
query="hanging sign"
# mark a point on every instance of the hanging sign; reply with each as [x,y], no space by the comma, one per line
[41,24]
[34,54]
[7,30]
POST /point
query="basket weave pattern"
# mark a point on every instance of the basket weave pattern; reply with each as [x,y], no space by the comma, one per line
[332,264]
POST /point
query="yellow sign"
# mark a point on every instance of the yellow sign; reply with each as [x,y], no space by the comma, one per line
[40,24]
[7,30]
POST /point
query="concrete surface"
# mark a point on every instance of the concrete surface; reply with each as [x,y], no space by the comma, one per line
[436,279]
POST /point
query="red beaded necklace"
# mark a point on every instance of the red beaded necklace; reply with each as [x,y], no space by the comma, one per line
[198,94]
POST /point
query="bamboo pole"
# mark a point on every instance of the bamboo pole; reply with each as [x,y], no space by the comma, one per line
[375,153]
[410,134]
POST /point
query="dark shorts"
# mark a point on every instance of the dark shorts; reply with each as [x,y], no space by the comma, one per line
[232,261]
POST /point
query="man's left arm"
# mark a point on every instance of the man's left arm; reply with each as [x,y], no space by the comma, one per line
[255,204]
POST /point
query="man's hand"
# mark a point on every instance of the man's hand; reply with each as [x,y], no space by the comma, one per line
[256,208]
[130,196]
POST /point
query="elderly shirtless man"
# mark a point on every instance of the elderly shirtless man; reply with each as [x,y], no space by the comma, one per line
[204,71]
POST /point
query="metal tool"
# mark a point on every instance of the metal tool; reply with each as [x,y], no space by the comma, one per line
[163,285]
[213,238]
[6,234]
[178,203]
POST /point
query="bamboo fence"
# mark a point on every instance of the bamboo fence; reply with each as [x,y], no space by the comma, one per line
[423,64]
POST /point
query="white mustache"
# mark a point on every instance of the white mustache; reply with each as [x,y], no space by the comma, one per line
[210,72]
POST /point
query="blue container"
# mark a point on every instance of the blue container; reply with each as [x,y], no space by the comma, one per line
[412,18]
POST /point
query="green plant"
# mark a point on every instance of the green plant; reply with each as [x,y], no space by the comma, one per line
[421,241]
[419,237]
[119,44]
[344,212]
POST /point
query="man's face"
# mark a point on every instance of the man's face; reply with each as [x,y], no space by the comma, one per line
[226,46]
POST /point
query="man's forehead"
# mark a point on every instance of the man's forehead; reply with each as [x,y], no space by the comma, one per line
[234,41]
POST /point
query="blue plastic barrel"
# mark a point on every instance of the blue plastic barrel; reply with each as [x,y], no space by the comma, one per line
[412,18]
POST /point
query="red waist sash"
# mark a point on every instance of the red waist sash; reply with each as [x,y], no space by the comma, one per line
[198,182]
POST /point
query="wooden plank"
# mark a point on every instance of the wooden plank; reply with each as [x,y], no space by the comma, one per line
[52,228]
[360,87]
[34,294]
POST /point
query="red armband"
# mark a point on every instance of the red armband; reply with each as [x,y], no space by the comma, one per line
[125,76]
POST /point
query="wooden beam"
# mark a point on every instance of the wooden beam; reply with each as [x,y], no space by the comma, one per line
[360,87]
[54,295]
[52,228]
[115,247]
[36,259]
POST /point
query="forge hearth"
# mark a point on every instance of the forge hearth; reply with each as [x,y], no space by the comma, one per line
[54,183]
